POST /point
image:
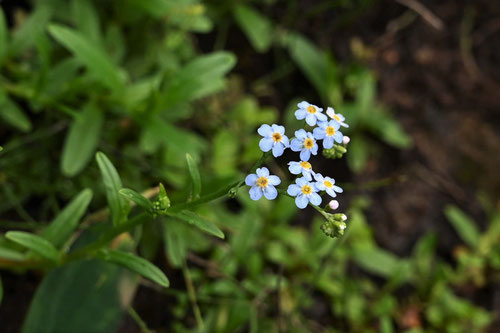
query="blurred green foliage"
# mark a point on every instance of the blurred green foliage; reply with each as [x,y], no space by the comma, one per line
[127,78]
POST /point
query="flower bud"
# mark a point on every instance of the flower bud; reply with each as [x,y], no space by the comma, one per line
[333,204]
[344,217]
[333,228]
[346,139]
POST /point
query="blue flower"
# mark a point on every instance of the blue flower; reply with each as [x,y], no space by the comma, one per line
[327,184]
[273,138]
[304,192]
[303,167]
[328,131]
[262,184]
[310,112]
[336,116]
[305,143]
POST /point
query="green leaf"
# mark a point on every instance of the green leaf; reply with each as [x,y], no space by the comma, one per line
[4,46]
[138,198]
[136,264]
[81,140]
[13,115]
[256,27]
[118,206]
[199,222]
[96,60]
[87,20]
[35,243]
[61,228]
[80,297]
[195,176]
[310,59]
[175,242]
[33,27]
[357,153]
[379,261]
[225,153]
[463,224]
[202,76]
[11,254]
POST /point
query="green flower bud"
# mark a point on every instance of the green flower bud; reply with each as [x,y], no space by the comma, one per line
[333,228]
[162,202]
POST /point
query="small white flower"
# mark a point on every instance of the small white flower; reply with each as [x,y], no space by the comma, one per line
[346,139]
[336,116]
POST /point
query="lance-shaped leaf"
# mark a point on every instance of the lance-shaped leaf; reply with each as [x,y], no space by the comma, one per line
[89,54]
[35,243]
[81,141]
[199,222]
[138,198]
[136,264]
[118,205]
[61,228]
[13,115]
[31,29]
[464,225]
[195,176]
[3,36]
[256,27]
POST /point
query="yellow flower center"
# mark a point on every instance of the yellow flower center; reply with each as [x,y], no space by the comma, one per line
[308,143]
[311,109]
[262,182]
[327,183]
[277,137]
[330,130]
[337,118]
[306,189]
[305,165]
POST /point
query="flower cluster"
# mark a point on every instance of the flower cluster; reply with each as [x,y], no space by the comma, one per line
[309,186]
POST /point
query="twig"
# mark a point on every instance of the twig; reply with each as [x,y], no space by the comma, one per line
[426,14]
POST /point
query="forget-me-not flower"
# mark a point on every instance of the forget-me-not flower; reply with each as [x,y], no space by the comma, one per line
[303,167]
[328,131]
[305,143]
[327,184]
[262,184]
[273,138]
[310,112]
[304,192]
[336,116]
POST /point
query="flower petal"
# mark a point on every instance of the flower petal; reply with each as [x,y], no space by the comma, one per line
[307,174]
[303,105]
[319,133]
[278,128]
[278,149]
[315,199]
[330,111]
[314,149]
[331,192]
[270,192]
[338,136]
[301,181]
[311,119]
[262,172]
[255,193]
[337,189]
[293,189]
[284,140]
[266,144]
[305,154]
[321,116]
[294,168]
[274,180]
[301,201]
[328,142]
[265,130]
[296,145]
[251,179]
[300,114]
[301,134]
